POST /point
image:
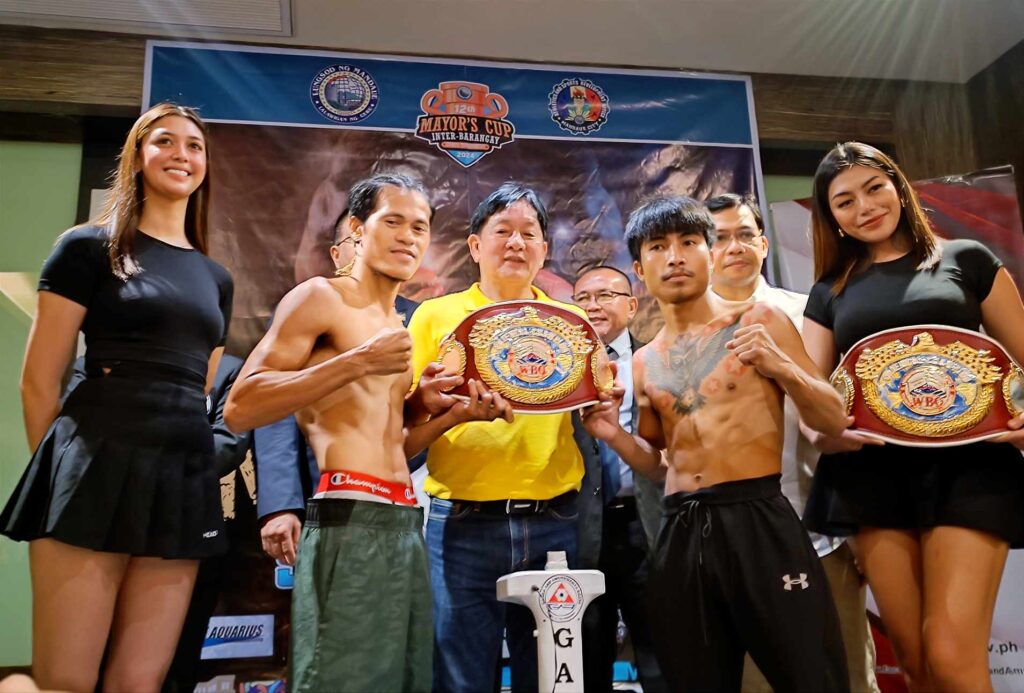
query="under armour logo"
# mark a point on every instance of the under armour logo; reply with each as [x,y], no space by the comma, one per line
[789,583]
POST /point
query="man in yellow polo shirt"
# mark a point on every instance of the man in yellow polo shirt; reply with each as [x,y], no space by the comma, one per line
[502,494]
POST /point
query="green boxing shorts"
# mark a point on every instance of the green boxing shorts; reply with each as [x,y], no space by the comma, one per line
[361,606]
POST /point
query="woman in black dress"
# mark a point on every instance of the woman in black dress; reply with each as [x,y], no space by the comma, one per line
[931,526]
[121,497]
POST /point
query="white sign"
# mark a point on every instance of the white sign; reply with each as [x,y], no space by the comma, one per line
[234,637]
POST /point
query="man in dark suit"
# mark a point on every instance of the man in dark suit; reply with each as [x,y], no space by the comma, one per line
[620,520]
[286,469]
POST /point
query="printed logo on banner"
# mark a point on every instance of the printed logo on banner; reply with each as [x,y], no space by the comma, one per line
[234,637]
[578,106]
[465,120]
[277,686]
[563,597]
[284,576]
[344,93]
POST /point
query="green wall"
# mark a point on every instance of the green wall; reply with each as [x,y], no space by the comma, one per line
[784,188]
[38,198]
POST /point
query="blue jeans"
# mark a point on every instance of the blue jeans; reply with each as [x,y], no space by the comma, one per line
[468,552]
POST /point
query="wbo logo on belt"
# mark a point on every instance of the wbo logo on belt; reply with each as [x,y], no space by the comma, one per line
[930,386]
[540,357]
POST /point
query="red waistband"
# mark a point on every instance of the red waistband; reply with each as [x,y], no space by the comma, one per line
[365,483]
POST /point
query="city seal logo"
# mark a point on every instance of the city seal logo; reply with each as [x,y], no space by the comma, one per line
[344,93]
[578,106]
[563,598]
[465,120]
[530,359]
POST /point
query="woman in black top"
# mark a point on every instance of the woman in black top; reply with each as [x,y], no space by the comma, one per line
[932,526]
[121,497]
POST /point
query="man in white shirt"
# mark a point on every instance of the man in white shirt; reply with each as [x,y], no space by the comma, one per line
[631,504]
[738,252]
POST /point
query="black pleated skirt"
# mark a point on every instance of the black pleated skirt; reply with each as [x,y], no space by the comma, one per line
[126,467]
[979,486]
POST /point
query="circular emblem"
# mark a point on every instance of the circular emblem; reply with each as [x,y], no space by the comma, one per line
[563,598]
[344,93]
[927,390]
[927,387]
[531,358]
[528,359]
[578,106]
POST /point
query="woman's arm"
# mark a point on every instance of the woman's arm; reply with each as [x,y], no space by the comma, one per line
[820,344]
[51,346]
[211,369]
[1002,314]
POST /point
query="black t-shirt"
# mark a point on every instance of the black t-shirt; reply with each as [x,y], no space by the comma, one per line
[174,312]
[894,294]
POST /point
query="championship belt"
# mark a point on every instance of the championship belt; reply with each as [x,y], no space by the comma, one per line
[539,356]
[930,386]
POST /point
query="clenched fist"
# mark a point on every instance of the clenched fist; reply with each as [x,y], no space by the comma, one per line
[388,352]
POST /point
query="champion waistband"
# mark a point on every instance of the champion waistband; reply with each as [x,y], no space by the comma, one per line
[339,484]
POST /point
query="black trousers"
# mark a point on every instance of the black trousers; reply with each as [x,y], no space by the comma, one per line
[624,562]
[734,571]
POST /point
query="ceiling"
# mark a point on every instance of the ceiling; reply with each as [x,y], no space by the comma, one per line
[935,40]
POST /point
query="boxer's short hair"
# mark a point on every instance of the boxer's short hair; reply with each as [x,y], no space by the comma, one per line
[664,215]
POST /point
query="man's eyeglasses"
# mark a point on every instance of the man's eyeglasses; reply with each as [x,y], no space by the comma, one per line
[747,238]
[602,297]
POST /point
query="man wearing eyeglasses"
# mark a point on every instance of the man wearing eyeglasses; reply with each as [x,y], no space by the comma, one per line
[630,509]
[739,248]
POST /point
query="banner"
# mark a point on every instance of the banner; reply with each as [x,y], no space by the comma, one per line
[292,130]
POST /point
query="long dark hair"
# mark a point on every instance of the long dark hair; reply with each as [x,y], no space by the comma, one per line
[123,209]
[844,256]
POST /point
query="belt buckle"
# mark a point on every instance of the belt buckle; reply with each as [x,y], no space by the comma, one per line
[516,507]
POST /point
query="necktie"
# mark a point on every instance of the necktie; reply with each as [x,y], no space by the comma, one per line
[611,478]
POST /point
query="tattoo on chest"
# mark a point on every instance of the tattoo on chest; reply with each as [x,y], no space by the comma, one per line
[681,370]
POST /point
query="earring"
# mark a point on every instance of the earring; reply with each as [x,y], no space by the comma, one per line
[346,270]
[841,234]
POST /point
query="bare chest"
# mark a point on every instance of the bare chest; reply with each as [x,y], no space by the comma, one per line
[697,376]
[352,333]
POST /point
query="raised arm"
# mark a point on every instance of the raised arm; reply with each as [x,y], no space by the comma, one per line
[51,345]
[274,382]
[1002,314]
[769,342]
